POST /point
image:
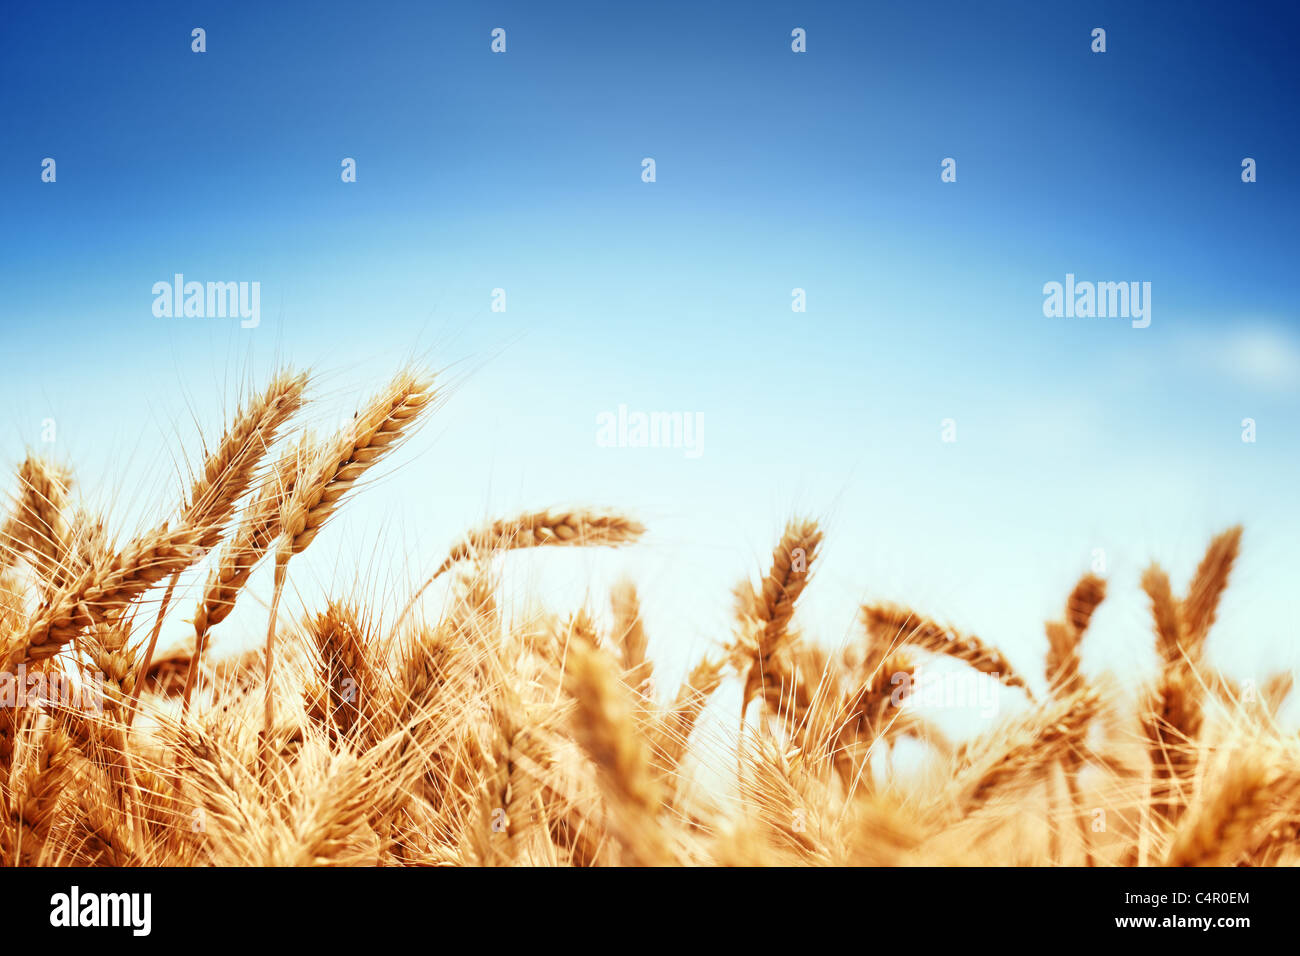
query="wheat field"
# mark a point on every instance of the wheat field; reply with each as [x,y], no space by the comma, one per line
[458,733]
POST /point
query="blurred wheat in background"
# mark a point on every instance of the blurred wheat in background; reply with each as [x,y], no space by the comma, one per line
[478,735]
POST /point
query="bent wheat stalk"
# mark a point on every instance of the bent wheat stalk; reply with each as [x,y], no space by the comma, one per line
[891,625]
[535,529]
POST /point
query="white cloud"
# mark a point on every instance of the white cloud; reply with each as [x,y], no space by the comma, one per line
[1264,356]
[1255,354]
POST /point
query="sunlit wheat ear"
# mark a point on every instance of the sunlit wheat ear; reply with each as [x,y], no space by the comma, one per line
[1174,713]
[1165,613]
[764,615]
[103,591]
[228,472]
[848,728]
[548,528]
[1064,637]
[37,526]
[217,782]
[894,626]
[258,529]
[630,636]
[87,546]
[1222,828]
[1172,719]
[882,833]
[1207,586]
[229,469]
[1018,753]
[1088,593]
[36,798]
[1064,645]
[346,669]
[605,724]
[339,463]
[673,735]
[535,529]
[334,470]
[101,836]
[783,798]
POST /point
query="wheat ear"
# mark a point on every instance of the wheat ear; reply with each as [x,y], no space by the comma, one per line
[37,525]
[605,724]
[1019,753]
[535,529]
[1064,641]
[630,636]
[765,614]
[257,530]
[227,475]
[1221,831]
[891,625]
[332,473]
[1174,712]
[673,734]
[100,592]
[1208,584]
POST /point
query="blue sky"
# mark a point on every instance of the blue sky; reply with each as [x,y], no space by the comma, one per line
[775,170]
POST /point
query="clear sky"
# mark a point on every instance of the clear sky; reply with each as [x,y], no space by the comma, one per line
[775,170]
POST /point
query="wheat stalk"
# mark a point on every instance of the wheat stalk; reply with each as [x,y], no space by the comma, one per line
[892,626]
